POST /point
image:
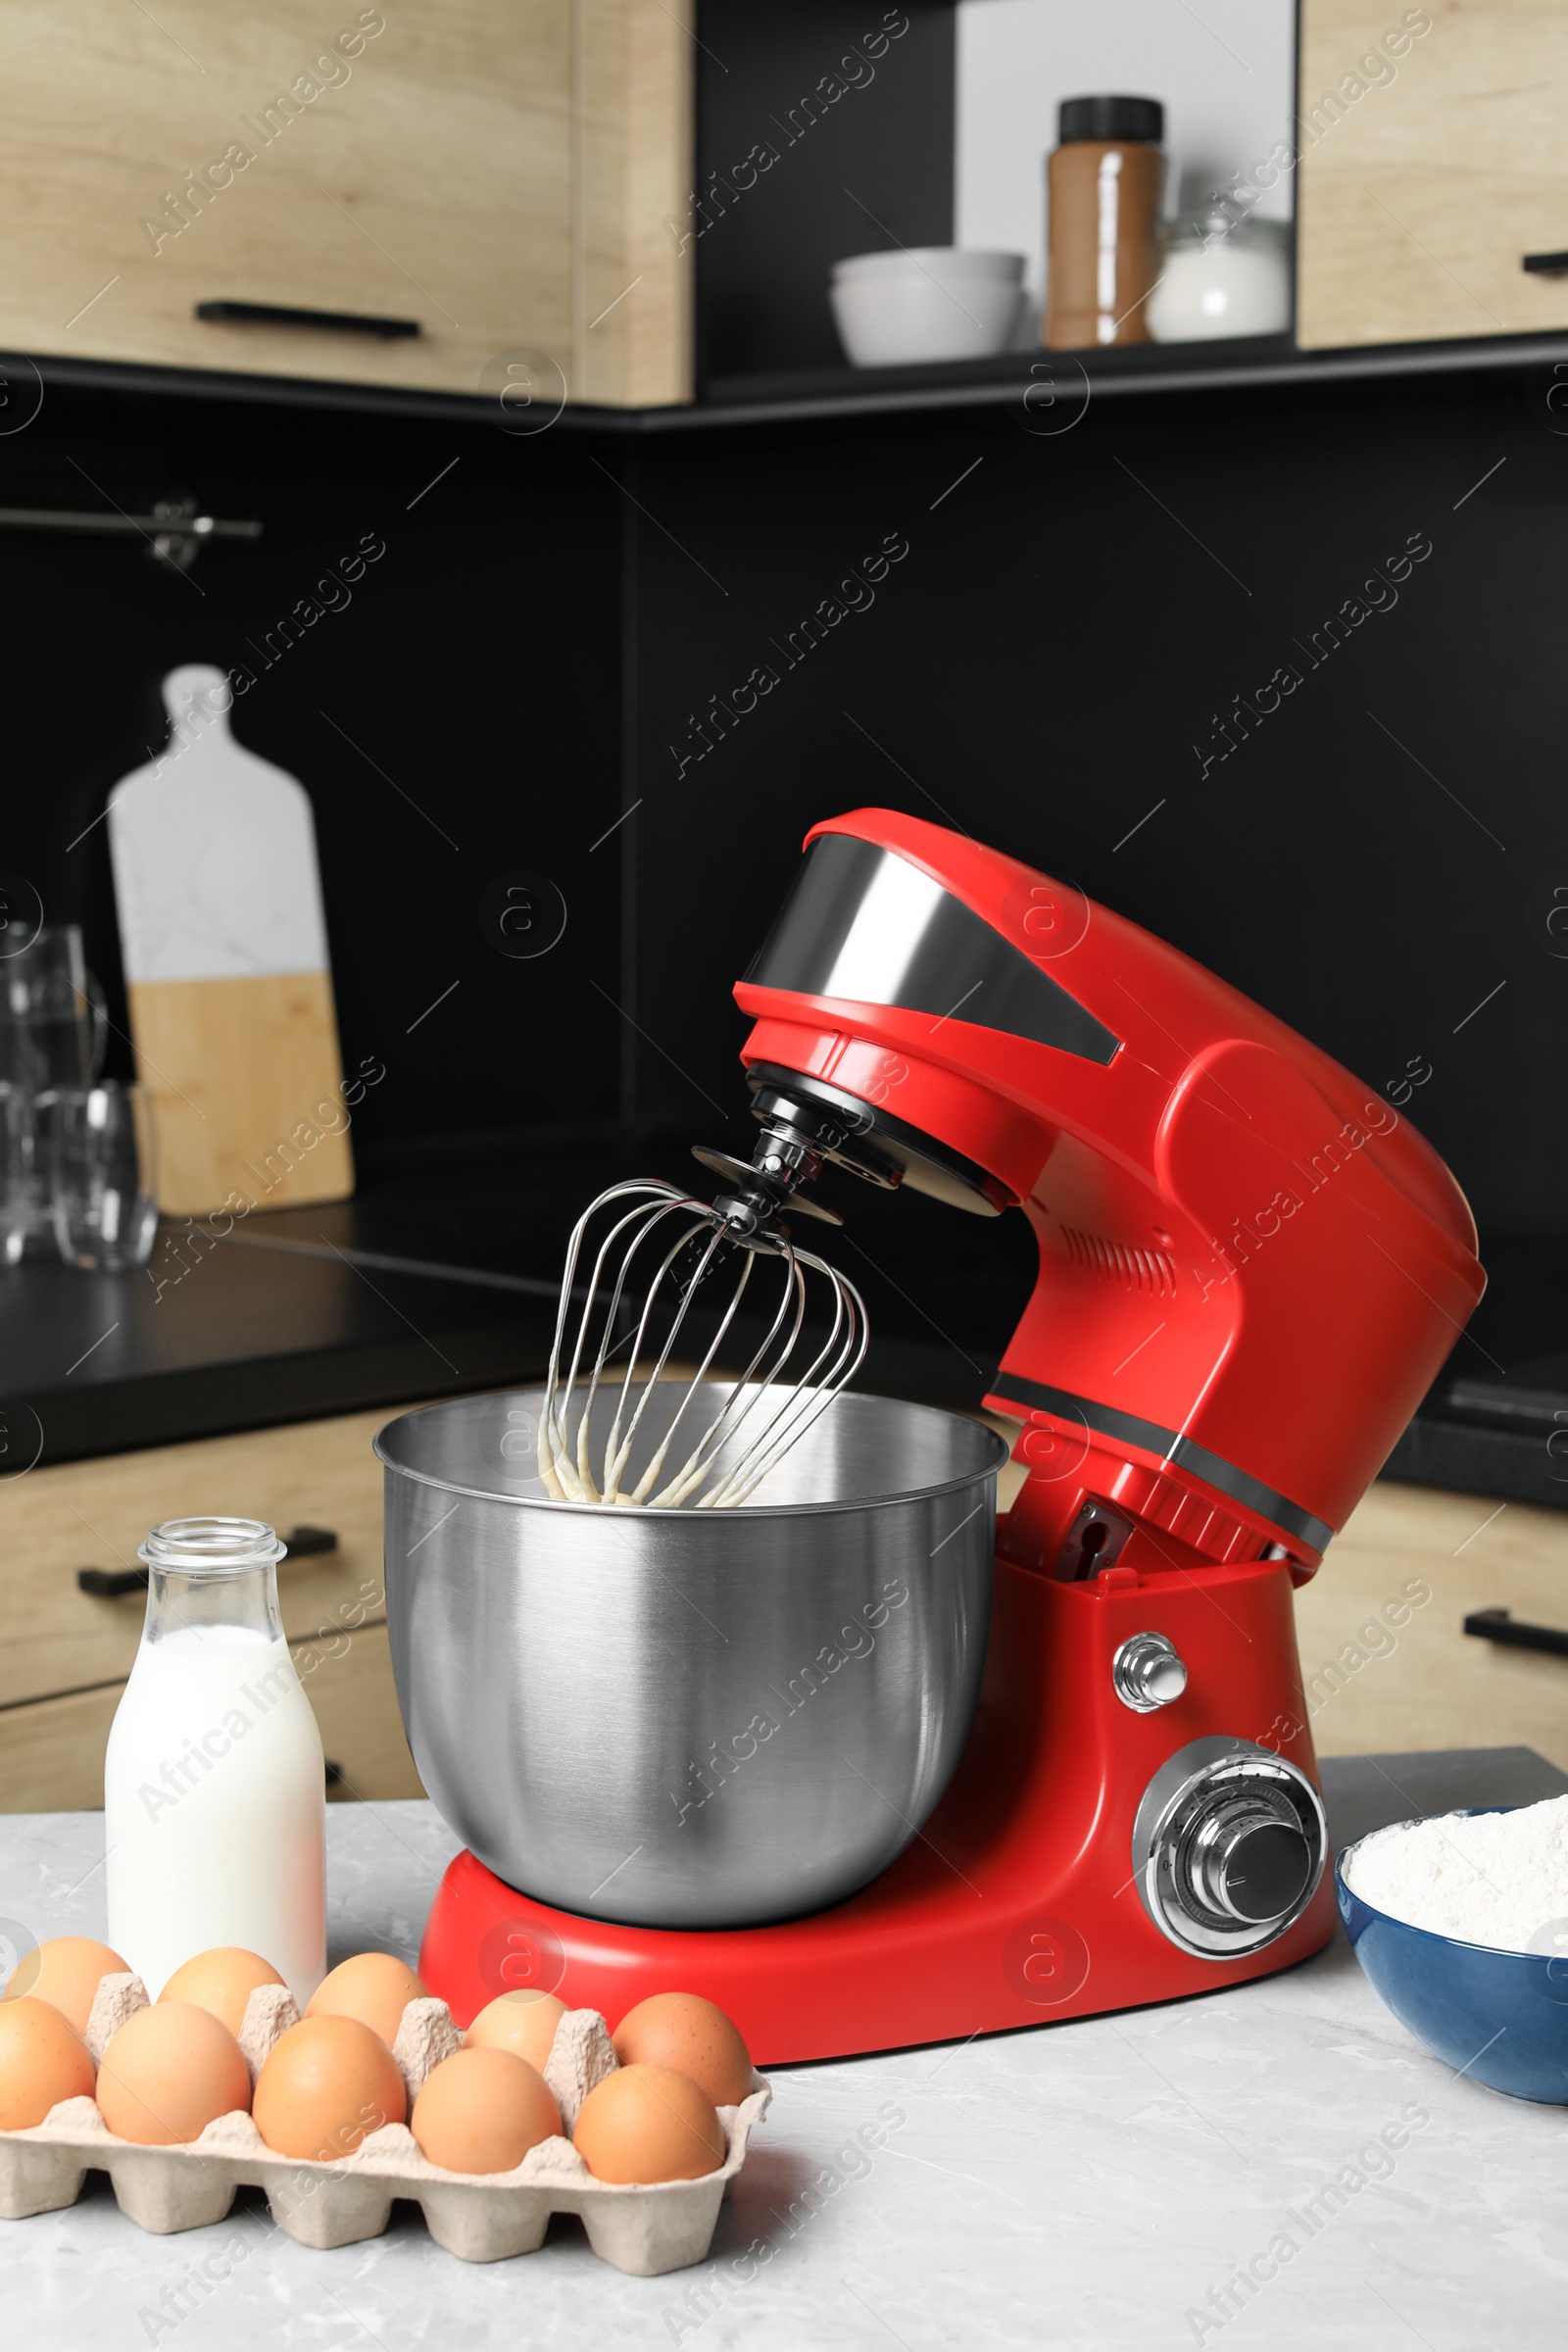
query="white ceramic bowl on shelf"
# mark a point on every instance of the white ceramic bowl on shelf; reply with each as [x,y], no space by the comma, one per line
[948,263]
[937,302]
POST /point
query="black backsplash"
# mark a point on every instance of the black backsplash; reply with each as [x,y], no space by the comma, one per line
[537,648]
[1074,615]
[454,719]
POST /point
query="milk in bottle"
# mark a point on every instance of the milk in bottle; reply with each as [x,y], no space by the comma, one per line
[214,1789]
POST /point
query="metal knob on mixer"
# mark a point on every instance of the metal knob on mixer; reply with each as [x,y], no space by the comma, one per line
[1148,1672]
[1250,1861]
[1228,1846]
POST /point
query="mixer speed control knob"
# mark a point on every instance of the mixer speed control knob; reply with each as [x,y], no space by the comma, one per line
[1146,1673]
[1229,1844]
[1251,1862]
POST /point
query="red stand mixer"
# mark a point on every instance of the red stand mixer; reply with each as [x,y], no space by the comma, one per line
[1249,1272]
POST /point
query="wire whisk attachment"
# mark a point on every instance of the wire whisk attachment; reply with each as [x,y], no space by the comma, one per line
[612,1417]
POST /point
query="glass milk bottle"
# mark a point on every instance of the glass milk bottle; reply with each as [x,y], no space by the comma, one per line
[215,1816]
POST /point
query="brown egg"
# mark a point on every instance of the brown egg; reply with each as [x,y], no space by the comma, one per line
[683,2030]
[222,1981]
[481,2110]
[41,2062]
[523,2023]
[648,2123]
[373,1986]
[65,1971]
[170,2072]
[326,2084]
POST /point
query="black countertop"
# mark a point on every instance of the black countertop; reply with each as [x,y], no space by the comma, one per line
[425,1287]
[255,1332]
[442,1276]
[1363,1794]
[1496,1419]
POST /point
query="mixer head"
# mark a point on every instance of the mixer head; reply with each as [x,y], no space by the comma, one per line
[1230,1227]
[1227,1223]
[638,1257]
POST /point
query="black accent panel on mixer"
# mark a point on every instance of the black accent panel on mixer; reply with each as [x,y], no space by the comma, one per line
[864,923]
[1171,1447]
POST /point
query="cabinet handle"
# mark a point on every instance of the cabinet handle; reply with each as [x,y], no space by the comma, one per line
[110,1583]
[333,322]
[1500,1625]
[303,1540]
[1545,264]
[113,1584]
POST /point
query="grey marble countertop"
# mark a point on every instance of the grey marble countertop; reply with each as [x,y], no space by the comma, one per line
[1089,2183]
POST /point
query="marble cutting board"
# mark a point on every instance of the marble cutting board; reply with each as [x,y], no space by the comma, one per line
[224,937]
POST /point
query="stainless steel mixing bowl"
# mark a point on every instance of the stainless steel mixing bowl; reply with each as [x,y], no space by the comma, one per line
[690,1718]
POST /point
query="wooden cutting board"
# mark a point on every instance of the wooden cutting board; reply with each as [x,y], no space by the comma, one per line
[223,939]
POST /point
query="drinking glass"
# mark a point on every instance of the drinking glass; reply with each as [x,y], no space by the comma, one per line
[18,1189]
[103,1168]
[53,1026]
[53,1031]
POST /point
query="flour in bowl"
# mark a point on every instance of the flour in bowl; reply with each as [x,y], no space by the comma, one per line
[1498,1879]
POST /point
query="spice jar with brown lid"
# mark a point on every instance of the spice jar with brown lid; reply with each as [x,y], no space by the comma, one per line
[1104,184]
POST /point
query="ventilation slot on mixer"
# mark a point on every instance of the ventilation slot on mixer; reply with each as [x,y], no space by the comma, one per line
[1147,1270]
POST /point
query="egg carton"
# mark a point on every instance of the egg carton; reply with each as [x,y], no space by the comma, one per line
[641,2227]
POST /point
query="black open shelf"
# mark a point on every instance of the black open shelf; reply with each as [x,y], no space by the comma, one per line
[1146,370]
[1149,370]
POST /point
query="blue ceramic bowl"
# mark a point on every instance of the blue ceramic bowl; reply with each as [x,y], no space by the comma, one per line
[1498,2017]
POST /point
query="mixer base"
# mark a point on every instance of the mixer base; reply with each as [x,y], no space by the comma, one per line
[1016,1904]
[823,1987]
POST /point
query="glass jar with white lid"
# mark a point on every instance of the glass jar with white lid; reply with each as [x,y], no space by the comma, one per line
[1221,277]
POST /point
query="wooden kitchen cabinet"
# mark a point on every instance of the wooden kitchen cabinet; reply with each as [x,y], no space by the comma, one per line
[1385,1670]
[493,173]
[65,1660]
[1427,175]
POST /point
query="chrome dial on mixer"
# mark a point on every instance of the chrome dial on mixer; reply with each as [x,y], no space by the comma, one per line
[1228,1846]
[1146,1673]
